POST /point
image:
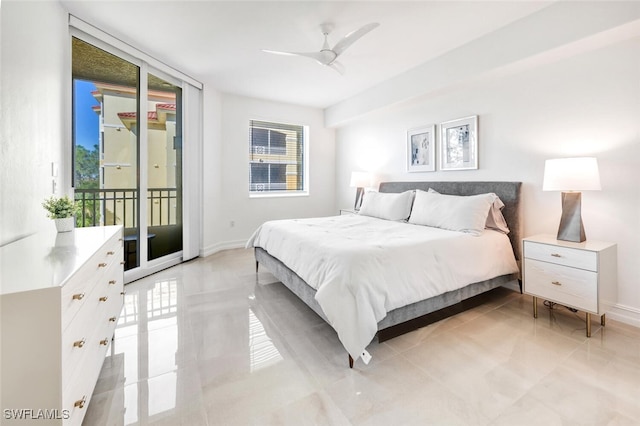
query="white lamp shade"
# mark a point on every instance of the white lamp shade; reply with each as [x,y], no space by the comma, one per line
[360,180]
[571,174]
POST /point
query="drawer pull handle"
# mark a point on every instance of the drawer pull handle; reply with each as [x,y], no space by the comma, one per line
[103,299]
[122,293]
[556,283]
[111,253]
[79,343]
[78,296]
[112,319]
[104,342]
[102,265]
[556,255]
[80,403]
[122,262]
[112,282]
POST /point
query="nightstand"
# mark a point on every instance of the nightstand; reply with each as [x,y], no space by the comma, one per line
[582,276]
[348,211]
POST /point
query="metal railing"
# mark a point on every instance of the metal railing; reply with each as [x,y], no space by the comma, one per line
[270,150]
[267,186]
[99,207]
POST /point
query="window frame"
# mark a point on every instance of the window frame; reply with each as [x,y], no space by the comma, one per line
[305,162]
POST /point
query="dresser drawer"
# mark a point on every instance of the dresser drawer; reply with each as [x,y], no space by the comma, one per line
[103,266]
[81,338]
[109,316]
[566,256]
[88,326]
[95,322]
[569,286]
[77,395]
[75,370]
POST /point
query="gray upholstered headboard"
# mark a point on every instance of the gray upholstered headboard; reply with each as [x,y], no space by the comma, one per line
[509,193]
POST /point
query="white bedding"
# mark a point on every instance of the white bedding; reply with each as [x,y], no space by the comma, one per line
[363,267]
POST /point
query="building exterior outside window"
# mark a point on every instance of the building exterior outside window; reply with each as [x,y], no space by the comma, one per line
[277,158]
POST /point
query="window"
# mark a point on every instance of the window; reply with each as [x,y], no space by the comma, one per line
[277,162]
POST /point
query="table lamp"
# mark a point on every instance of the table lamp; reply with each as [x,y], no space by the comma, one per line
[571,175]
[359,180]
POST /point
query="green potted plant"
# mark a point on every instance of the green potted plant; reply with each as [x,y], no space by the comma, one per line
[62,210]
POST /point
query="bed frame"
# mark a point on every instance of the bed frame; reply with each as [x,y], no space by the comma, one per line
[419,314]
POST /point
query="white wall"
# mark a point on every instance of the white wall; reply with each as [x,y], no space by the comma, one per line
[35,93]
[211,166]
[583,103]
[227,200]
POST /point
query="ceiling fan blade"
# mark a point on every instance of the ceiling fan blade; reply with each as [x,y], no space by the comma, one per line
[317,56]
[337,66]
[352,37]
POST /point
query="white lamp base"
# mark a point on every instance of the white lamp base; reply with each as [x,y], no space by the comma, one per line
[571,227]
[359,195]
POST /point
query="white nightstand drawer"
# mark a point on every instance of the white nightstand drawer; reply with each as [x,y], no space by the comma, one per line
[582,259]
[573,287]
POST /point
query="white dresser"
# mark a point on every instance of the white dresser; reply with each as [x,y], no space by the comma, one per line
[60,298]
[582,276]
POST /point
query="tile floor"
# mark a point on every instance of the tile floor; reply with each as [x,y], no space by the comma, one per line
[210,343]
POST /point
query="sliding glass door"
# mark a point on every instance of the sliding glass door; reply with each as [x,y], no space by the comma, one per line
[164,173]
[127,155]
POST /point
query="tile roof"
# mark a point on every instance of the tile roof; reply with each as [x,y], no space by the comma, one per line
[151,115]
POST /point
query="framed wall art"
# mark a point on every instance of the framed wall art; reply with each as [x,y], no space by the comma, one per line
[421,149]
[459,144]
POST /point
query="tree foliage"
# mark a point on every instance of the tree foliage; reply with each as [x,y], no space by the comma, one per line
[87,176]
[87,168]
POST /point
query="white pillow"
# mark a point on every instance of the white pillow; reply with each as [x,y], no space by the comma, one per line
[495,219]
[390,206]
[453,212]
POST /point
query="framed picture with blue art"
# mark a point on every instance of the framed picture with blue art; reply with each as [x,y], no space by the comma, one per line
[421,149]
[459,144]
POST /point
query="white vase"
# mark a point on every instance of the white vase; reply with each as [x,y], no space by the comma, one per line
[65,224]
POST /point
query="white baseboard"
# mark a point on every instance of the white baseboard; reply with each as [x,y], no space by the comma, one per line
[625,314]
[226,245]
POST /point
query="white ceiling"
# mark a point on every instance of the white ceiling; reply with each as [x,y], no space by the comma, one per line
[219,43]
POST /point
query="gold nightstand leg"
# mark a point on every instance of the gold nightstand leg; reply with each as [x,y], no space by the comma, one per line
[535,307]
[588,324]
[602,320]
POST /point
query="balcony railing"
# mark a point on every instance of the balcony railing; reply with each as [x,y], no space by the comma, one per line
[267,186]
[103,206]
[270,150]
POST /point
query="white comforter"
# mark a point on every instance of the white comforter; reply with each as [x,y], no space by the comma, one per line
[364,267]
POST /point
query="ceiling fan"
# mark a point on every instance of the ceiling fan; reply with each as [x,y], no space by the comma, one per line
[327,56]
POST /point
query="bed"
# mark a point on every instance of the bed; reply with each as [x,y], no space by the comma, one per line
[357,320]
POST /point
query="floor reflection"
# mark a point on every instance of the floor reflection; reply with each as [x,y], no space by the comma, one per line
[146,352]
[168,344]
[262,351]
